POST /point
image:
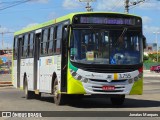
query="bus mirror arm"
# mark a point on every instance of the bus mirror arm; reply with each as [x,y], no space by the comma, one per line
[144,41]
[69,27]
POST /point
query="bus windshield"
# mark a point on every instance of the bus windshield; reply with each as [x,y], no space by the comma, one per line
[103,46]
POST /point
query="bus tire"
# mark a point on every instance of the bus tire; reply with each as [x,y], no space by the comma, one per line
[38,96]
[59,99]
[118,99]
[28,94]
[76,98]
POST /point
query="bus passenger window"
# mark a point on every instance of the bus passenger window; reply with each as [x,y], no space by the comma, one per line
[25,46]
[44,42]
[58,39]
[15,49]
[30,46]
[22,46]
[50,42]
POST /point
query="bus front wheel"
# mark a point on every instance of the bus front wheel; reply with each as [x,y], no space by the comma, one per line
[28,94]
[59,99]
[118,99]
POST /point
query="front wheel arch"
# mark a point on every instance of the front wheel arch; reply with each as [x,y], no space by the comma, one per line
[54,76]
[24,79]
[28,94]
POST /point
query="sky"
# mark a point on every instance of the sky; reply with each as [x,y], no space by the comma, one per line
[38,11]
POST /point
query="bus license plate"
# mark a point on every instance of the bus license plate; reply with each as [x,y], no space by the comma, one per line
[108,88]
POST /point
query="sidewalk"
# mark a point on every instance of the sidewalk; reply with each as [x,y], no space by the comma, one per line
[5,80]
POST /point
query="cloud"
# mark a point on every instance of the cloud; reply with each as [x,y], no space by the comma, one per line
[150,4]
[70,4]
[52,15]
[115,5]
[146,19]
[4,29]
[151,29]
[109,5]
[7,37]
[40,1]
[30,25]
[148,32]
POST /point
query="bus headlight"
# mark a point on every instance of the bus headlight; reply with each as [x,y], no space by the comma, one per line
[130,81]
[85,80]
[74,74]
[79,77]
[136,79]
[140,75]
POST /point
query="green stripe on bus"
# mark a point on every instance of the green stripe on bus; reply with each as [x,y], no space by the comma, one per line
[60,19]
[72,67]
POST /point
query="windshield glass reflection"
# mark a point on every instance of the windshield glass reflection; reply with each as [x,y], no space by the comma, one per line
[97,46]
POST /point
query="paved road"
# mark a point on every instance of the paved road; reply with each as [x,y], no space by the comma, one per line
[12,99]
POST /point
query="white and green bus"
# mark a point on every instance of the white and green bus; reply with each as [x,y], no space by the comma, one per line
[87,53]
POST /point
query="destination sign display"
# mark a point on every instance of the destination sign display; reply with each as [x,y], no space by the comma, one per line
[106,20]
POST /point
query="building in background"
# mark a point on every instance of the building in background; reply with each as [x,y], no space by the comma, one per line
[5,61]
[151,48]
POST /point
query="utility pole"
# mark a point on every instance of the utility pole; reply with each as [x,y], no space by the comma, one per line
[2,40]
[157,42]
[2,36]
[88,7]
[127,4]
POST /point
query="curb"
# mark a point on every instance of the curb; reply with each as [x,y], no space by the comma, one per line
[5,83]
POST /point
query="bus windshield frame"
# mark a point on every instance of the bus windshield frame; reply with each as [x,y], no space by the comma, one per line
[115,45]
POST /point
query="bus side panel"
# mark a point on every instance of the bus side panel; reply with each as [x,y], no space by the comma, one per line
[48,65]
[27,67]
[14,73]
[29,73]
[44,74]
[22,71]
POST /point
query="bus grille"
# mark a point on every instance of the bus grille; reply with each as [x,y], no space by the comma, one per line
[111,70]
[105,81]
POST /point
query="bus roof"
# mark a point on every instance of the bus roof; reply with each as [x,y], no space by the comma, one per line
[60,19]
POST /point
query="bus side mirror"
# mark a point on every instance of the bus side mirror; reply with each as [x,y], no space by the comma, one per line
[144,42]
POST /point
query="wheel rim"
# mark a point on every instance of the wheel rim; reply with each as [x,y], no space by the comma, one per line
[56,95]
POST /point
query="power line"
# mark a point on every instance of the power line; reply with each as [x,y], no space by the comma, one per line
[15,4]
[116,5]
[139,4]
[12,2]
[128,4]
[6,32]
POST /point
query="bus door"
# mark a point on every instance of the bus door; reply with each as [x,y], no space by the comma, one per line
[19,55]
[36,59]
[64,58]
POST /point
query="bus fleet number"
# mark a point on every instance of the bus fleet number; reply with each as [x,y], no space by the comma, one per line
[125,76]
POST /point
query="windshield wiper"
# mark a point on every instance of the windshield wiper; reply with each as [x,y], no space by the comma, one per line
[123,33]
[120,38]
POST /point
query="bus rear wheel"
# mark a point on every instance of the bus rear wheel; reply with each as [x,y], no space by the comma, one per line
[59,99]
[28,94]
[118,99]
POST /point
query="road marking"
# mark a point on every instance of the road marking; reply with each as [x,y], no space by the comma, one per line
[151,81]
[151,75]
